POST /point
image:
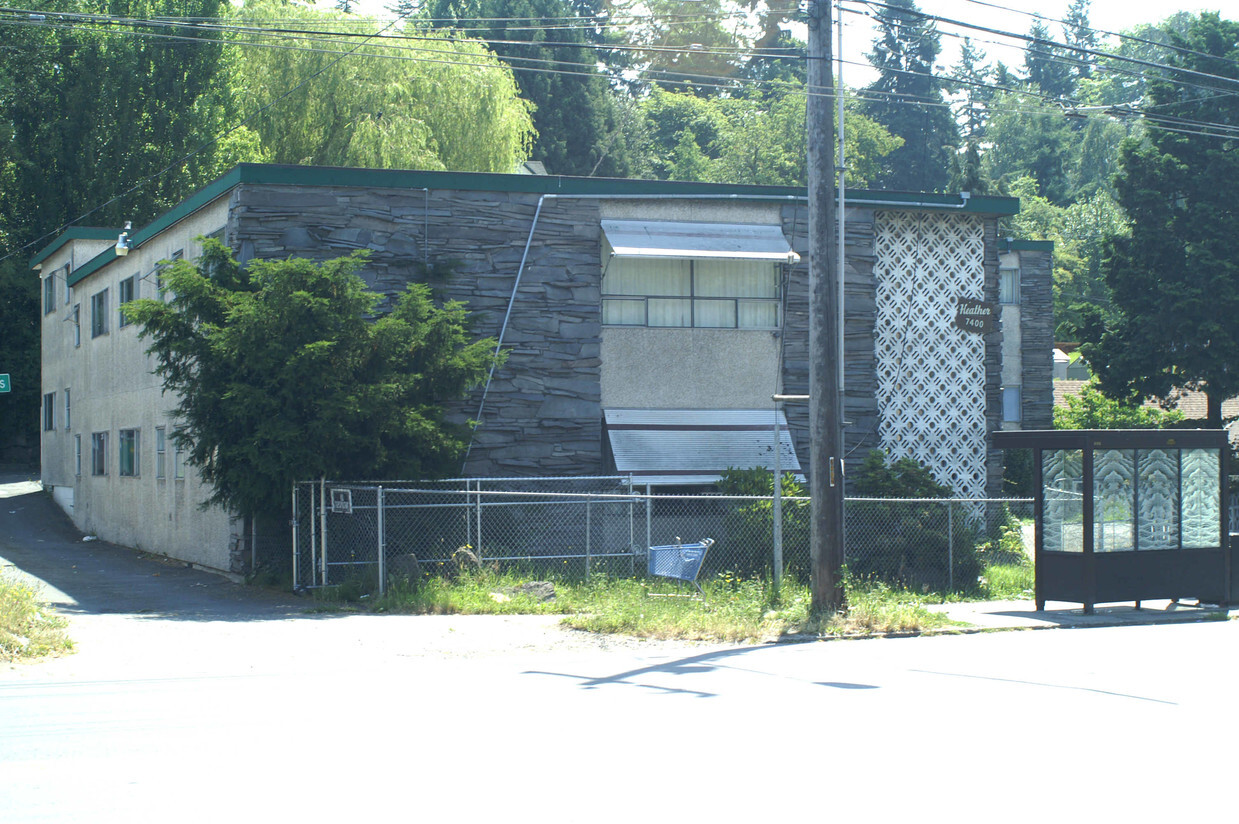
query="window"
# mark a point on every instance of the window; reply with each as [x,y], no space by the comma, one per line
[178,459]
[99,313]
[126,293]
[161,449]
[49,411]
[99,453]
[1011,404]
[68,410]
[49,294]
[705,293]
[1009,285]
[68,289]
[77,324]
[77,456]
[130,454]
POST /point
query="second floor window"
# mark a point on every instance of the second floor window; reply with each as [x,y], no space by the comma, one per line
[99,313]
[712,294]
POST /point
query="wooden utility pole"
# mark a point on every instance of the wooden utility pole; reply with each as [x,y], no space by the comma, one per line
[825,347]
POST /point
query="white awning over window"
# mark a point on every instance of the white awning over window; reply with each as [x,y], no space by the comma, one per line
[663,239]
[666,447]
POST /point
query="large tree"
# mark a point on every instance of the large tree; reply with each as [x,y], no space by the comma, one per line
[908,99]
[99,123]
[579,121]
[282,372]
[1175,279]
[430,101]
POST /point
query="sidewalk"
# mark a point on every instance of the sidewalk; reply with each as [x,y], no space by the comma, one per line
[988,615]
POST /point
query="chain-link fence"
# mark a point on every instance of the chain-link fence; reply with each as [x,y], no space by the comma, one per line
[372,533]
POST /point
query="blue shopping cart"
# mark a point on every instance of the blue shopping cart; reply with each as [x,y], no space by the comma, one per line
[680,561]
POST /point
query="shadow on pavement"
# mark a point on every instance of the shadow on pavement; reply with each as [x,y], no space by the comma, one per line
[95,577]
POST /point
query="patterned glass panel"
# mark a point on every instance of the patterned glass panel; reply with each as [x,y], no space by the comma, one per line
[1114,500]
[1158,516]
[931,375]
[1202,517]
[1062,472]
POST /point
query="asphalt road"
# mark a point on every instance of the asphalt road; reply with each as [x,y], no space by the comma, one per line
[193,700]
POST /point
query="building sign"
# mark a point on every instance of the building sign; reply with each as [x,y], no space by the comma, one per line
[974,315]
[342,501]
[5,384]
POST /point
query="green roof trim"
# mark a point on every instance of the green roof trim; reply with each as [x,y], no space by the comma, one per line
[272,174]
[1028,245]
[71,234]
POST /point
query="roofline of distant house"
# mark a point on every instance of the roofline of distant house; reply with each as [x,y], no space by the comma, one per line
[272,174]
[1013,245]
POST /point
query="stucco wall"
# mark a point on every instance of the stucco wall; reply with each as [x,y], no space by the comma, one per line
[113,387]
[688,368]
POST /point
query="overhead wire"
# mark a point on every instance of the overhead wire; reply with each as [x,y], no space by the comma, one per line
[1203,128]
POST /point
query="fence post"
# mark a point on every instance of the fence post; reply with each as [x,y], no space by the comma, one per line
[589,504]
[950,547]
[322,522]
[296,580]
[649,509]
[382,545]
[478,532]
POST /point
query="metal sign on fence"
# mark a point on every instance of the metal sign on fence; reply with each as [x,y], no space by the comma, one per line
[342,502]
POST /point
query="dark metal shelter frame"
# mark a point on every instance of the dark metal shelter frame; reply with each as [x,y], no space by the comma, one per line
[1130,515]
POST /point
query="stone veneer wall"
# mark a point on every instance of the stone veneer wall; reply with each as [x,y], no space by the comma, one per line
[993,364]
[542,414]
[860,363]
[1037,339]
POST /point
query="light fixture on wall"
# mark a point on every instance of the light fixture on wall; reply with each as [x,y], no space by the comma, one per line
[122,242]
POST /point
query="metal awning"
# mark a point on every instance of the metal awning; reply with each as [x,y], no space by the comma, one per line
[665,447]
[662,238]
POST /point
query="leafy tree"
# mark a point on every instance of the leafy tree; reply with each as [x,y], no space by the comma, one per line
[580,130]
[908,99]
[1028,137]
[758,139]
[703,46]
[240,346]
[1174,279]
[98,124]
[448,105]
[19,357]
[1092,409]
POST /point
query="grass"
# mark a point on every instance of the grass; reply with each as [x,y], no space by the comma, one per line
[28,629]
[734,609]
[1007,582]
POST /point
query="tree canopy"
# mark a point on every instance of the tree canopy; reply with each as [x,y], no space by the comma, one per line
[1174,279]
[445,102]
[908,99]
[282,375]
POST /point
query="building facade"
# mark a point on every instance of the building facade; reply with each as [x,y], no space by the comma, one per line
[647,323]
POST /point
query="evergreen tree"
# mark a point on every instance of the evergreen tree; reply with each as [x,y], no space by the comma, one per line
[1048,66]
[579,125]
[1175,279]
[907,98]
[1081,40]
[239,347]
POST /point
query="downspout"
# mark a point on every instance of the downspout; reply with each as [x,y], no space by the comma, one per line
[502,330]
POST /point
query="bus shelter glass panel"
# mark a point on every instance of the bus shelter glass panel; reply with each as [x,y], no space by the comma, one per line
[1062,476]
[1114,500]
[1202,516]
[1158,515]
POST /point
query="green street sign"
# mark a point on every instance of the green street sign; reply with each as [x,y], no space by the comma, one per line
[5,384]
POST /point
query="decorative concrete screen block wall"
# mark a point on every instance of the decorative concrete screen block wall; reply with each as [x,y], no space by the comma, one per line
[931,376]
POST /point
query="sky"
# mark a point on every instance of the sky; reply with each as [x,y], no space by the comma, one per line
[1009,15]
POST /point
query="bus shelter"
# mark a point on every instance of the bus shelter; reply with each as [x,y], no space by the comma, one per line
[1129,515]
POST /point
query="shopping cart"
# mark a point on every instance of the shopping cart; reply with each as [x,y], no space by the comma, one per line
[680,561]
